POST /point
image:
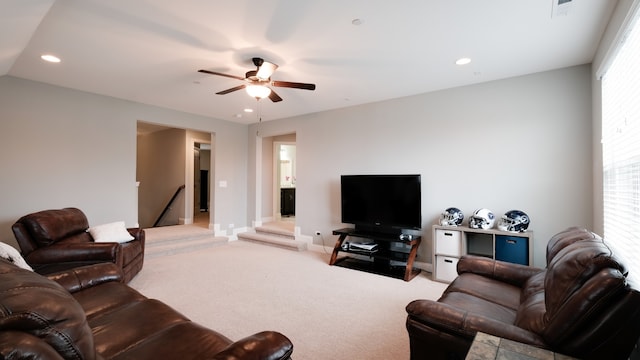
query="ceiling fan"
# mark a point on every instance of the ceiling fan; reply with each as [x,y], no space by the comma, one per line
[256,81]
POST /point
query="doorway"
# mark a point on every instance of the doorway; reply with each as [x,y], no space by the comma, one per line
[166,161]
[201,183]
[284,180]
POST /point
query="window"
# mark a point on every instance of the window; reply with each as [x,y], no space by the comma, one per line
[621,150]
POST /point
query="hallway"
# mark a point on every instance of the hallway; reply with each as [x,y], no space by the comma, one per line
[201,219]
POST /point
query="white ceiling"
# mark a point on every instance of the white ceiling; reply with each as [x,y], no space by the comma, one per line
[149,51]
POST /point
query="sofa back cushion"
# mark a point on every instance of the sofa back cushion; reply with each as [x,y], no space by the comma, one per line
[49,226]
[566,238]
[588,300]
[34,307]
[573,266]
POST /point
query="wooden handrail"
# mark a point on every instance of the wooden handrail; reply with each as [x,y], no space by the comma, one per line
[166,208]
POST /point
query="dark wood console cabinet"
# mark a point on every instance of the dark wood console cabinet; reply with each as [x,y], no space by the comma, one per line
[394,256]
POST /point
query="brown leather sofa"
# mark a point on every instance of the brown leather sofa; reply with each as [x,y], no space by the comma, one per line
[582,305]
[54,240]
[89,313]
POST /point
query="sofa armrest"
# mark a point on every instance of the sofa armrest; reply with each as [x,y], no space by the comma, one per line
[22,345]
[515,274]
[84,251]
[266,345]
[462,323]
[76,279]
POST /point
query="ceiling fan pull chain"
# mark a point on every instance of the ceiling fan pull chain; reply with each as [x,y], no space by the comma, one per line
[259,114]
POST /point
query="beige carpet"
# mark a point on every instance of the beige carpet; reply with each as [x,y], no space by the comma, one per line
[328,312]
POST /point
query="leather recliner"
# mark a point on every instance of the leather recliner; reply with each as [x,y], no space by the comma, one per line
[54,240]
[583,304]
[89,313]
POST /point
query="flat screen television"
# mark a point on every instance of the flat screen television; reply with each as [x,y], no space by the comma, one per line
[381,203]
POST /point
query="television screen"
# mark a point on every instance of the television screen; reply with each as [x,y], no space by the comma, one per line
[385,203]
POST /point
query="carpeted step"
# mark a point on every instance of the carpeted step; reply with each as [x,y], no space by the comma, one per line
[176,232]
[274,231]
[179,246]
[169,240]
[287,242]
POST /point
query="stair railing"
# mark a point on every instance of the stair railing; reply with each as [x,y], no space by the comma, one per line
[168,207]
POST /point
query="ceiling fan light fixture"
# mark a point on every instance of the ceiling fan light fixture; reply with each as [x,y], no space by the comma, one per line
[266,70]
[258,91]
[256,81]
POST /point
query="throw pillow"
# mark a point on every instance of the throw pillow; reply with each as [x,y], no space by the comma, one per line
[112,232]
[12,255]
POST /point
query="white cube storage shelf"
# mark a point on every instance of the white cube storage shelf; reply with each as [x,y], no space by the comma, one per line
[452,242]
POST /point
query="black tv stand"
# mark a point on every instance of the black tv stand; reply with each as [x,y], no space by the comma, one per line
[383,259]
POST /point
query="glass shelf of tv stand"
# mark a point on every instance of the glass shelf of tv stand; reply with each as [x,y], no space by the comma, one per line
[373,267]
[382,261]
[394,255]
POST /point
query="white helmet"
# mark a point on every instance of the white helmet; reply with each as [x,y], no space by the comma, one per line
[482,219]
[451,217]
[514,221]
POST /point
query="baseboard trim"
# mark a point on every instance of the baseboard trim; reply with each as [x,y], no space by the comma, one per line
[424,266]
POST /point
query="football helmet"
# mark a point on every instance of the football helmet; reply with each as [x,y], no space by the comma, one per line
[451,217]
[482,219]
[514,221]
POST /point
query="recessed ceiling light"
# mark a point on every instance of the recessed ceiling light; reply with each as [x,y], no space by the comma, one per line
[247,110]
[463,61]
[356,22]
[50,58]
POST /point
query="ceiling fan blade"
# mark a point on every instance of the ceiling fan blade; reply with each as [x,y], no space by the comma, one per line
[266,70]
[231,90]
[294,85]
[220,74]
[274,97]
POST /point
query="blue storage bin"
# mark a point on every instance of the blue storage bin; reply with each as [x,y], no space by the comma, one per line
[513,249]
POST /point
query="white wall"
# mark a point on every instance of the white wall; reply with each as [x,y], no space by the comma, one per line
[61,147]
[520,143]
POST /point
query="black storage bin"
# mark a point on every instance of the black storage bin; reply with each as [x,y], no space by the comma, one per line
[513,249]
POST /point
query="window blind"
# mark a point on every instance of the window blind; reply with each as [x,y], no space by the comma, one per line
[621,151]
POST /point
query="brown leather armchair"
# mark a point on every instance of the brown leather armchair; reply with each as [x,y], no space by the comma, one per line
[583,304]
[55,240]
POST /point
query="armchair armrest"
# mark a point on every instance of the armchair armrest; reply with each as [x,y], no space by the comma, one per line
[266,345]
[137,233]
[515,274]
[16,344]
[462,323]
[81,251]
[80,278]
